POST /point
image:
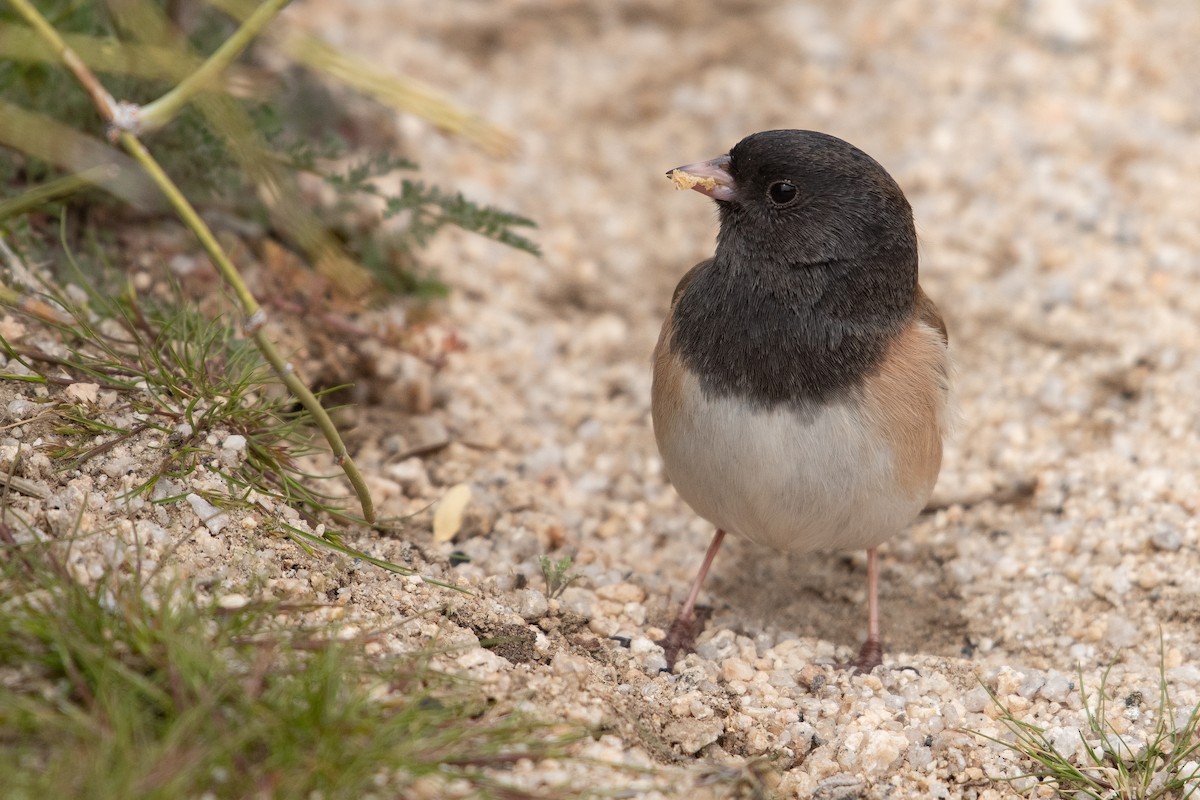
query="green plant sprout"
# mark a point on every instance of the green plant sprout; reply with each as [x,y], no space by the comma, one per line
[557,574]
[1165,768]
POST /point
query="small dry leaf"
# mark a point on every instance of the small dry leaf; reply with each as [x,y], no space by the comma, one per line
[83,392]
[449,515]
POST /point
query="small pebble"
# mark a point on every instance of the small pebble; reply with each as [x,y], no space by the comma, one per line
[692,735]
[531,605]
[1166,538]
[231,602]
[20,408]
[1056,688]
[213,518]
[235,442]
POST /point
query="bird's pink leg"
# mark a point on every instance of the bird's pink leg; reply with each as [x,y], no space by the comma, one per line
[689,605]
[682,635]
[871,653]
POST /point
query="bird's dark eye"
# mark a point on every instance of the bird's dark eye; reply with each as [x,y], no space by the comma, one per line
[782,193]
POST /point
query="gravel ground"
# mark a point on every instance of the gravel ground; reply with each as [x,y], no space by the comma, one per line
[1049,149]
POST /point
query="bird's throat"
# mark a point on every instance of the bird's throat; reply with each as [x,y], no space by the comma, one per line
[776,335]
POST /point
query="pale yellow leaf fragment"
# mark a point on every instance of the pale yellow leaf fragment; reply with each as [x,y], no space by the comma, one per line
[83,392]
[449,515]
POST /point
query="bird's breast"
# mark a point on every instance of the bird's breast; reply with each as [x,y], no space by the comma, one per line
[842,473]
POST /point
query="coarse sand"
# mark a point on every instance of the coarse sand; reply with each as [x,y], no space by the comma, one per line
[1051,152]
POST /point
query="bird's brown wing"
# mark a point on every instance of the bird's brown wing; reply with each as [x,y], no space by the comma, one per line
[927,312]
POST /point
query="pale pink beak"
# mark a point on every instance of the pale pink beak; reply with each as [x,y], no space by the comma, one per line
[711,178]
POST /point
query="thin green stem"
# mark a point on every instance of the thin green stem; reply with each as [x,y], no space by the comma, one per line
[158,113]
[101,54]
[254,316]
[134,147]
[65,186]
[100,97]
[250,307]
[321,417]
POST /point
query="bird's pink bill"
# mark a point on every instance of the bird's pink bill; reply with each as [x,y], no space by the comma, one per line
[709,178]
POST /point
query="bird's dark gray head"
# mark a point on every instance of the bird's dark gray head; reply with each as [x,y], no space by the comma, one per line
[802,197]
[816,265]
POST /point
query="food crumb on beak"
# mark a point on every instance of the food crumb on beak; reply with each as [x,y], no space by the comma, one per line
[686,180]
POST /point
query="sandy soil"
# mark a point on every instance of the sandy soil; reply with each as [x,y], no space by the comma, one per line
[1049,149]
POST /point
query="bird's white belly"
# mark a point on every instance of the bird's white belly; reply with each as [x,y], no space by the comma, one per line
[795,480]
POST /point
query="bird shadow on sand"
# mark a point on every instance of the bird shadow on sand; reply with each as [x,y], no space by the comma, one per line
[824,595]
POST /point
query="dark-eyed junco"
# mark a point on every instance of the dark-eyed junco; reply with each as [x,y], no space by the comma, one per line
[801,378]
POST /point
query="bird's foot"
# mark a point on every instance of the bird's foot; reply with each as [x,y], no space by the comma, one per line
[681,636]
[870,656]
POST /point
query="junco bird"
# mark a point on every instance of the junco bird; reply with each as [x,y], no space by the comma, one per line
[801,377]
